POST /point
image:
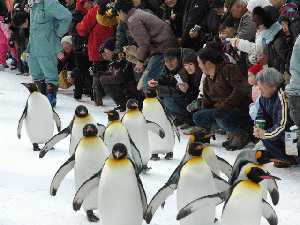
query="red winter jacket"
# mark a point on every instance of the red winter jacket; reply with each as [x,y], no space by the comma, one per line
[96,33]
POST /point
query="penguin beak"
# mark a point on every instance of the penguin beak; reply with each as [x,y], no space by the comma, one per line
[109,113]
[135,105]
[118,154]
[269,176]
[277,161]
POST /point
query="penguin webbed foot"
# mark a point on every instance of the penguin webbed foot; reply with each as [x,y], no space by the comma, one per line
[145,169]
[91,216]
[36,148]
[155,157]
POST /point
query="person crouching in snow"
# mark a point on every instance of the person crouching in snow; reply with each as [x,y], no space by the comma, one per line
[49,21]
[4,37]
[98,25]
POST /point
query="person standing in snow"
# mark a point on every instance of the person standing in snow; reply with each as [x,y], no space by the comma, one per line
[49,21]
[4,37]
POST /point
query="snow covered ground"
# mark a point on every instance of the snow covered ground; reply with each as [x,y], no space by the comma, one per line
[25,179]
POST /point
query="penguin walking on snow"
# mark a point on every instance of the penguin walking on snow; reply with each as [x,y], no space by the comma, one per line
[244,204]
[138,127]
[153,110]
[38,116]
[116,132]
[121,196]
[88,158]
[255,158]
[217,164]
[192,179]
[81,118]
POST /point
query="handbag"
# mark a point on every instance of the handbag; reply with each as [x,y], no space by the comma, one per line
[63,81]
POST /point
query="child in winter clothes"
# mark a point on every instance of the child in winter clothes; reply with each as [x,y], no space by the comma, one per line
[254,106]
[4,37]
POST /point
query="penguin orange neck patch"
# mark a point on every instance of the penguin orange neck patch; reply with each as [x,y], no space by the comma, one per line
[150,100]
[250,184]
[195,159]
[117,163]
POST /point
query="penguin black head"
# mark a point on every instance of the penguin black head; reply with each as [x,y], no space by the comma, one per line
[151,93]
[263,157]
[132,104]
[81,111]
[31,87]
[196,149]
[119,151]
[90,130]
[198,135]
[113,115]
[257,175]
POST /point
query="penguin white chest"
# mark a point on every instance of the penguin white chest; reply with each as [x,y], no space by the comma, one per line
[39,119]
[77,131]
[137,128]
[153,111]
[244,206]
[90,156]
[116,133]
[196,181]
[119,197]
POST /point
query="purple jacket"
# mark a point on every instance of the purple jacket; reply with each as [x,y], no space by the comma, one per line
[152,35]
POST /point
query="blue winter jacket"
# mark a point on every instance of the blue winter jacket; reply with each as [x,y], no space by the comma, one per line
[275,111]
[49,21]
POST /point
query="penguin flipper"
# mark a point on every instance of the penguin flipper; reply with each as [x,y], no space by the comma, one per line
[61,173]
[269,213]
[20,123]
[220,184]
[161,196]
[273,191]
[169,117]
[155,128]
[199,203]
[101,130]
[142,193]
[85,189]
[54,140]
[57,120]
[225,166]
[136,156]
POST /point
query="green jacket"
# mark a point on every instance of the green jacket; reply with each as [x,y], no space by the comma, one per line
[49,21]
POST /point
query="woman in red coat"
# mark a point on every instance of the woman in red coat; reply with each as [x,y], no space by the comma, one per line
[99,25]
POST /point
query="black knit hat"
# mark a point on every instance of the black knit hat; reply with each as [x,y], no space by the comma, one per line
[110,44]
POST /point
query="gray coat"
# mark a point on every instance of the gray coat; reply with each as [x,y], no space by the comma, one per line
[152,35]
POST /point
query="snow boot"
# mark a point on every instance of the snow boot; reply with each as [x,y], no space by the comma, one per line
[51,93]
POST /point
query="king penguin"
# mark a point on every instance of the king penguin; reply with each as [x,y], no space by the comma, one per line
[121,196]
[154,110]
[244,204]
[116,132]
[88,158]
[138,127]
[75,128]
[192,180]
[217,164]
[38,116]
[255,158]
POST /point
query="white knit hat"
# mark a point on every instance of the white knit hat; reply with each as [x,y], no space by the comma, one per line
[252,4]
[67,39]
